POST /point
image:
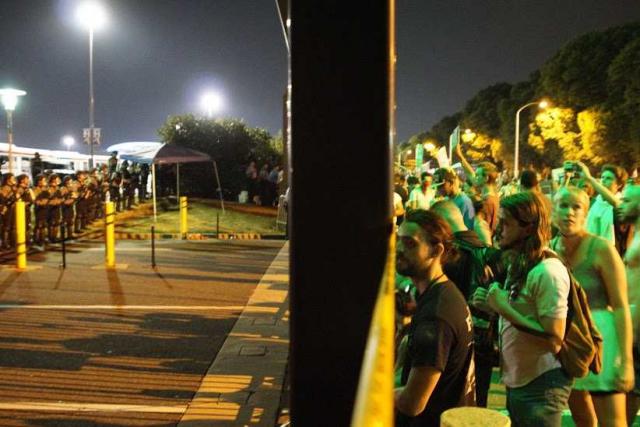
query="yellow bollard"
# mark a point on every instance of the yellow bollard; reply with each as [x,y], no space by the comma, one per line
[183,217]
[109,234]
[21,234]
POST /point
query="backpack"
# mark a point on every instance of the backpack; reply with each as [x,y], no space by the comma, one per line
[581,349]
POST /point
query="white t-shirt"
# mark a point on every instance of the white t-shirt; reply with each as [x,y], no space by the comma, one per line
[420,200]
[397,205]
[526,356]
[600,220]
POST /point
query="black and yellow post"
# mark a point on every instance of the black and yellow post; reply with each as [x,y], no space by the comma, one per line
[109,235]
[184,229]
[342,131]
[21,236]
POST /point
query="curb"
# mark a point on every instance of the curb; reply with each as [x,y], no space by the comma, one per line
[244,384]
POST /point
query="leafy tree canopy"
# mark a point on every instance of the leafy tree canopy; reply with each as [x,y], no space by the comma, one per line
[593,85]
[230,142]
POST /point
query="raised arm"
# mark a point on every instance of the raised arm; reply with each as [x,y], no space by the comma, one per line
[600,189]
[471,174]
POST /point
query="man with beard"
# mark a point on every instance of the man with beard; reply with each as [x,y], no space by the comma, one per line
[437,367]
[629,213]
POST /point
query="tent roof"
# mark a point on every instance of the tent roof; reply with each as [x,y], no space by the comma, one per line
[158,153]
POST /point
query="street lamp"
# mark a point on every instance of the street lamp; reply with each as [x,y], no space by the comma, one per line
[211,102]
[468,135]
[542,105]
[68,141]
[9,101]
[429,147]
[92,16]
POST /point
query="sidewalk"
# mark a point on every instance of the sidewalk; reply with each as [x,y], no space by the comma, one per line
[244,384]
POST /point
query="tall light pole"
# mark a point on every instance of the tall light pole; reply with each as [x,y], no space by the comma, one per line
[92,16]
[542,105]
[9,101]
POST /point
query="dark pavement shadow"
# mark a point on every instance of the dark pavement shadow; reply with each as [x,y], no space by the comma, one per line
[42,359]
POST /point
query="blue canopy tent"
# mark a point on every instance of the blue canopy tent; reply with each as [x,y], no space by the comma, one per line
[157,153]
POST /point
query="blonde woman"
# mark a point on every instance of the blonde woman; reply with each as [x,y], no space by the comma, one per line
[597,399]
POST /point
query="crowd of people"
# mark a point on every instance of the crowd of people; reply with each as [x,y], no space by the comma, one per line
[71,202]
[484,274]
[263,186]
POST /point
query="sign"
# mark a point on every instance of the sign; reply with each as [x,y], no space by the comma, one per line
[86,135]
[454,140]
[441,157]
[419,155]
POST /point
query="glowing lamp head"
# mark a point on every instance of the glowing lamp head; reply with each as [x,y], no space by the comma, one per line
[429,146]
[9,98]
[68,141]
[543,104]
[91,15]
[211,102]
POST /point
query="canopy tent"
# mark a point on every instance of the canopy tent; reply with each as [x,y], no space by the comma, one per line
[157,153]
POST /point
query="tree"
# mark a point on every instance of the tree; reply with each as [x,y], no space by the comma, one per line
[575,75]
[481,112]
[230,142]
[593,84]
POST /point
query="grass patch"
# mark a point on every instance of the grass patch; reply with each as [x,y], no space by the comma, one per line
[201,218]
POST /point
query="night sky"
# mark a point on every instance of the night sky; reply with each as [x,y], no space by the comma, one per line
[156,57]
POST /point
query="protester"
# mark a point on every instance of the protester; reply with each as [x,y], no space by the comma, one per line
[448,184]
[529,181]
[475,264]
[437,366]
[599,270]
[400,186]
[600,220]
[422,196]
[629,213]
[533,296]
[484,179]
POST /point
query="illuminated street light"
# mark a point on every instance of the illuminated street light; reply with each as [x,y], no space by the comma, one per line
[468,135]
[429,146]
[542,105]
[211,102]
[10,101]
[68,141]
[93,17]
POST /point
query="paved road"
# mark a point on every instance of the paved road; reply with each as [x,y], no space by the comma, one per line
[88,346]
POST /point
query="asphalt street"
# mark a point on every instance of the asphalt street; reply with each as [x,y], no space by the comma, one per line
[89,346]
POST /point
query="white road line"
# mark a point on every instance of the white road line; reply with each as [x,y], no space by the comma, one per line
[122,307]
[89,407]
[132,249]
